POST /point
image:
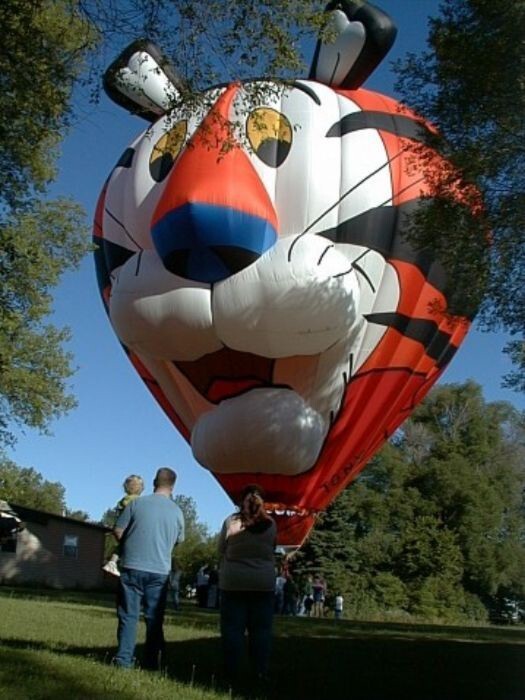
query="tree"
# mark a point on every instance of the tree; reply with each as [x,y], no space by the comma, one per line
[476,480]
[77,515]
[435,526]
[210,41]
[199,547]
[483,134]
[109,517]
[43,45]
[24,486]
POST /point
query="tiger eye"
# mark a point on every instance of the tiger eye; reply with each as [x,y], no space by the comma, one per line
[270,135]
[166,150]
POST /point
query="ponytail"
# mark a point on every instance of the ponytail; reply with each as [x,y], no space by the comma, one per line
[252,509]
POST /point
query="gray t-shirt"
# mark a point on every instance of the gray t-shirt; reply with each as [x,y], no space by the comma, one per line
[152,526]
[247,559]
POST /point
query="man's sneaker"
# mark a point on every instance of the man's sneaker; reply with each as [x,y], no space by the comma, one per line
[111,568]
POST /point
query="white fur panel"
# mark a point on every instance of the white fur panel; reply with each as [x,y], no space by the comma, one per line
[298,299]
[159,314]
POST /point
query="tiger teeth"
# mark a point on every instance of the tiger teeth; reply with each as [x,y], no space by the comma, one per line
[289,512]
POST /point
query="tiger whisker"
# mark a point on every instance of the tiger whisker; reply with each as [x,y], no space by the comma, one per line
[357,267]
[325,251]
[128,234]
[344,195]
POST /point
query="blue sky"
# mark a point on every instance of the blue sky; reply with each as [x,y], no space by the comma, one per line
[118,428]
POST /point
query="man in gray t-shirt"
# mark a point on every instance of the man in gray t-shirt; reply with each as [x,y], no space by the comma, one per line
[148,529]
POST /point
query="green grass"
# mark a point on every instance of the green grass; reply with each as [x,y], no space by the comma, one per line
[60,647]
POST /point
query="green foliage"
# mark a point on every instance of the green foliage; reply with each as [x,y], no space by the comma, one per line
[109,517]
[516,378]
[212,41]
[43,46]
[36,246]
[483,129]
[435,525]
[199,547]
[77,514]
[27,487]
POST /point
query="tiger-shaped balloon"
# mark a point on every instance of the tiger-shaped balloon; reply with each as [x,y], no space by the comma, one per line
[254,264]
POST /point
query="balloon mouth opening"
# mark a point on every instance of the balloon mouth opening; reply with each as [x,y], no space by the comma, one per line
[227,373]
[284,510]
[222,389]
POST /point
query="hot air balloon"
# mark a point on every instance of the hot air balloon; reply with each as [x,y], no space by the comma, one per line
[254,262]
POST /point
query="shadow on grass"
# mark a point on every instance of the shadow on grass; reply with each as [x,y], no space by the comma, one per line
[374,667]
[27,675]
[100,598]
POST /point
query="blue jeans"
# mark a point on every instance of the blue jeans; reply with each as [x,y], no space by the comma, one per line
[251,611]
[141,589]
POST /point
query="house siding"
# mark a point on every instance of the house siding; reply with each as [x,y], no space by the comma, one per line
[40,559]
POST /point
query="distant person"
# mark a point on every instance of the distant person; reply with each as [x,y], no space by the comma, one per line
[174,585]
[133,487]
[247,583]
[290,592]
[148,529]
[308,604]
[338,606]
[213,588]
[305,593]
[308,586]
[280,582]
[319,595]
[203,579]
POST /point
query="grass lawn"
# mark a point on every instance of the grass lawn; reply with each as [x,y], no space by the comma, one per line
[59,647]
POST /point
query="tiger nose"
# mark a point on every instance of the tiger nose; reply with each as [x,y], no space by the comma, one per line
[214,217]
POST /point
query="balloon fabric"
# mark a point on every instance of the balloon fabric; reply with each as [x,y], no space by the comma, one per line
[255,263]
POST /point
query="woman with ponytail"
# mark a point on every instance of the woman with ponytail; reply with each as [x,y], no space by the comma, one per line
[247,583]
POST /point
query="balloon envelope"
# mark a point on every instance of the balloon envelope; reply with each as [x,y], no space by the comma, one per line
[256,267]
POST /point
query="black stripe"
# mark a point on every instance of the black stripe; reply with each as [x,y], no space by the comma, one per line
[100,263]
[126,159]
[306,89]
[385,229]
[234,257]
[108,256]
[384,121]
[436,343]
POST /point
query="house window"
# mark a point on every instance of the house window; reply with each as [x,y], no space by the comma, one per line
[71,546]
[8,544]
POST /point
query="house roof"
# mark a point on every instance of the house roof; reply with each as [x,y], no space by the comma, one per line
[42,517]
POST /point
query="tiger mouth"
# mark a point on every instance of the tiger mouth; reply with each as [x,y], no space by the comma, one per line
[289,511]
[227,373]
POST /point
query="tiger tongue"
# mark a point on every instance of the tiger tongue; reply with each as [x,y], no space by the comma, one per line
[252,432]
[221,389]
[226,373]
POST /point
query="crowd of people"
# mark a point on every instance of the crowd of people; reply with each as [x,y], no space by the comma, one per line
[248,586]
[304,596]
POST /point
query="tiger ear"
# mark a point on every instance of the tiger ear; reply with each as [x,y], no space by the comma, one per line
[142,81]
[360,36]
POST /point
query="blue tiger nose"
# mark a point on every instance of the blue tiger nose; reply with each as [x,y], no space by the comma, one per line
[208,243]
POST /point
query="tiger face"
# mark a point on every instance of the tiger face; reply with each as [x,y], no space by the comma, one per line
[254,264]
